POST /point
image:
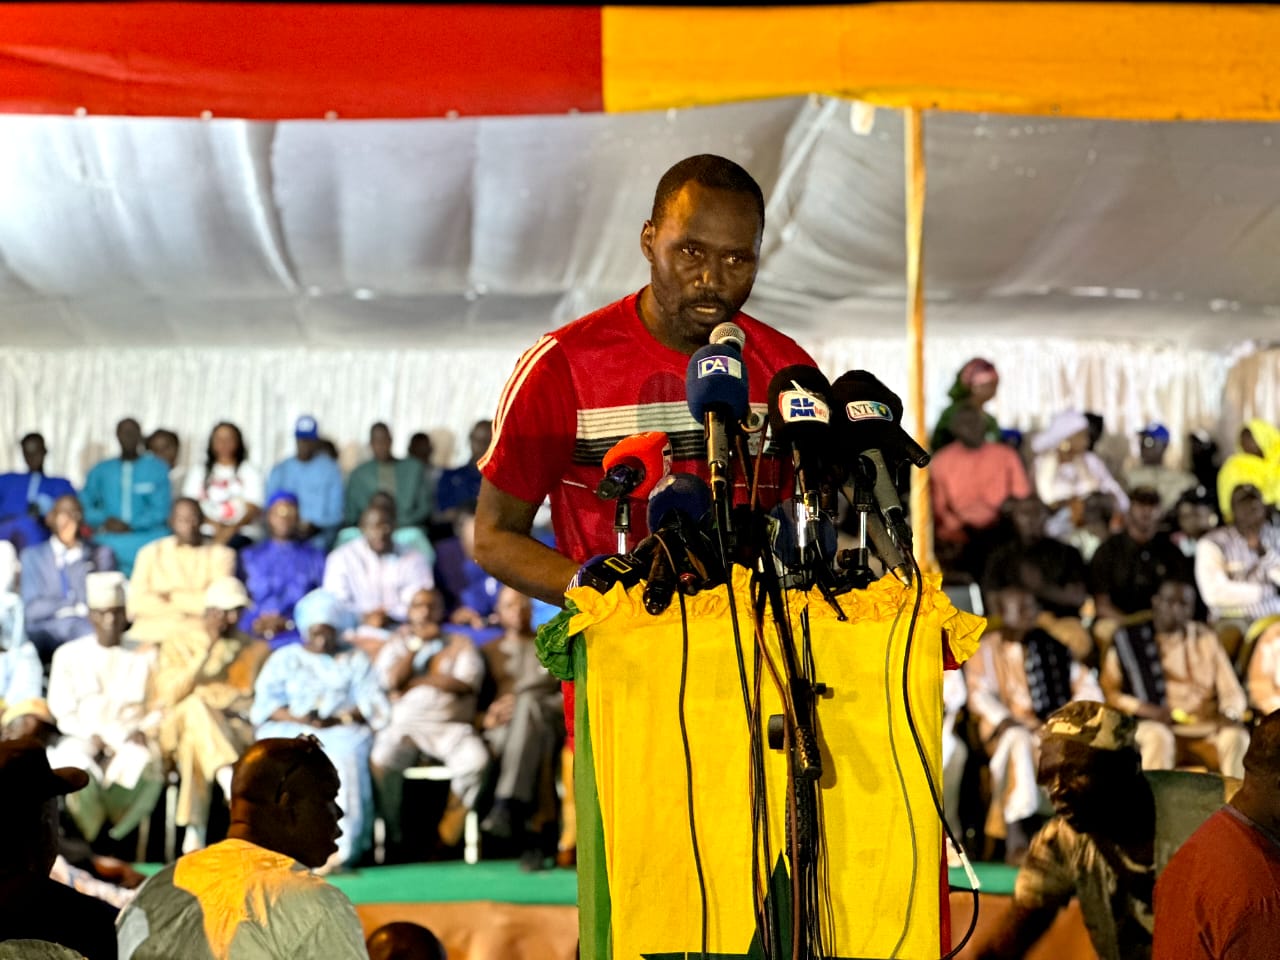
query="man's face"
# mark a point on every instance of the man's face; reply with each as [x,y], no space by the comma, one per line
[514,610]
[1196,519]
[702,256]
[185,521]
[1028,519]
[1247,506]
[282,518]
[426,607]
[375,525]
[219,622]
[1172,607]
[312,801]
[1068,774]
[307,447]
[129,436]
[33,452]
[321,638]
[380,443]
[420,448]
[65,519]
[479,439]
[163,448]
[1152,451]
[1144,518]
[109,625]
[1017,608]
[969,427]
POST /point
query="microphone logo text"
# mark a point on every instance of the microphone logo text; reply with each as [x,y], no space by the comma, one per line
[867,410]
[718,365]
[802,406]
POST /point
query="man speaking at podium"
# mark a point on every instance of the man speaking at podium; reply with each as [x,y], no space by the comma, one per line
[620,371]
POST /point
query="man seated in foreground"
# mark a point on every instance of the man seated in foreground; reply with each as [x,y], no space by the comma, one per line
[253,894]
[404,941]
[1220,895]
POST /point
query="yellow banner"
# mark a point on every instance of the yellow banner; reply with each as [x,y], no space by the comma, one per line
[883,836]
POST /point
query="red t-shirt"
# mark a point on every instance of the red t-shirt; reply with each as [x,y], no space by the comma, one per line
[579,390]
[1219,897]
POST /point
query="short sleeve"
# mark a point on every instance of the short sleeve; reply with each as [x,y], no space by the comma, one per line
[1046,878]
[535,425]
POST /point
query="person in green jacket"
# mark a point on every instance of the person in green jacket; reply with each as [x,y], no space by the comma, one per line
[403,479]
[975,385]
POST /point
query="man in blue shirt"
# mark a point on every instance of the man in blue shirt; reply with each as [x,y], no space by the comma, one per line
[126,500]
[278,573]
[26,498]
[315,479]
[462,484]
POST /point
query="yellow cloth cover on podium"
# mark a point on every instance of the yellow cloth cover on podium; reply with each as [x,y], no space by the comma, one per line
[638,887]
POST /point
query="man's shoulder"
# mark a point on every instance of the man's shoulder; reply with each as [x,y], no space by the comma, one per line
[37,552]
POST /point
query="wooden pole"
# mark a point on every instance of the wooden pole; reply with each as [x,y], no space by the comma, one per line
[921,509]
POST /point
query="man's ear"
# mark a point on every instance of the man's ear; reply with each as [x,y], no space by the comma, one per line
[647,233]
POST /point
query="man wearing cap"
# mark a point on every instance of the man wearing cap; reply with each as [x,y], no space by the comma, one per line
[170,577]
[1129,567]
[1219,897]
[205,701]
[1067,471]
[254,896]
[1173,676]
[98,692]
[315,479]
[26,498]
[53,579]
[126,500]
[1114,830]
[33,906]
[1151,471]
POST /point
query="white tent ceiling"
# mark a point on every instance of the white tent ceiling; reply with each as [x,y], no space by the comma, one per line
[117,231]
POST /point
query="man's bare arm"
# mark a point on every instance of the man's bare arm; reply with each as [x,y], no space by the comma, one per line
[1017,932]
[508,553]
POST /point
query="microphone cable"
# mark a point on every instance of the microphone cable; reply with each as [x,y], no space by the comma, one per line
[688,766]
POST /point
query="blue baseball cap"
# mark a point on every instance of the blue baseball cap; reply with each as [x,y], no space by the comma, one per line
[306,428]
[1156,431]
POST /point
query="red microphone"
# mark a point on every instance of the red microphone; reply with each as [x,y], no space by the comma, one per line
[634,465]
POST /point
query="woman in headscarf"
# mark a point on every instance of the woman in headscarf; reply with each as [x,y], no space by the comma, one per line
[323,687]
[1066,472]
[1257,462]
[975,385]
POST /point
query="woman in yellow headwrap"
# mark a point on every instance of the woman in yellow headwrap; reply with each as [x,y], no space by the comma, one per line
[1256,462]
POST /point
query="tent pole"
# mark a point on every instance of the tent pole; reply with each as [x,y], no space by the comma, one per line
[921,509]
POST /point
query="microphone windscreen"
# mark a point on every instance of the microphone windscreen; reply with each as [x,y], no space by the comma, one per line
[716,381]
[648,452]
[865,413]
[800,408]
[729,332]
[678,495]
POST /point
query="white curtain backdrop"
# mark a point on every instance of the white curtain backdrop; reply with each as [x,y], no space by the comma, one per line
[1252,390]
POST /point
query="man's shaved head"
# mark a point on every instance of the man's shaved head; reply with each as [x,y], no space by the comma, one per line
[284,798]
[404,941]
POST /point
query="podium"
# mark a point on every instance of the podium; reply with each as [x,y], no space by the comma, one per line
[639,896]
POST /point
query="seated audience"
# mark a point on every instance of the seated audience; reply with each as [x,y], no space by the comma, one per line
[470,594]
[433,680]
[312,476]
[373,576]
[165,446]
[1067,471]
[403,479]
[1238,565]
[205,701]
[126,500]
[53,579]
[422,450]
[969,481]
[1129,568]
[228,488]
[411,538]
[98,692]
[1219,896]
[26,498]
[171,576]
[32,905]
[1263,671]
[1053,572]
[461,485]
[254,894]
[1174,677]
[1018,677]
[524,727]
[1169,483]
[1103,846]
[21,676]
[1194,515]
[324,688]
[1256,463]
[1095,525]
[278,573]
[975,386]
[404,941]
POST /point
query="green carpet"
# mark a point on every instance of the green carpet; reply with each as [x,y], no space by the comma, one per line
[505,882]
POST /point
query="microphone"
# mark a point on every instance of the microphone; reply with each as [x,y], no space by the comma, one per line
[867,425]
[678,499]
[716,388]
[800,416]
[634,465]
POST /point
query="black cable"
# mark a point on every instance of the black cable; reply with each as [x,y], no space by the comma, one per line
[924,760]
[688,770]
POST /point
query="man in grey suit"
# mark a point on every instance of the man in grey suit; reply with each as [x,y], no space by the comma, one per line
[53,579]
